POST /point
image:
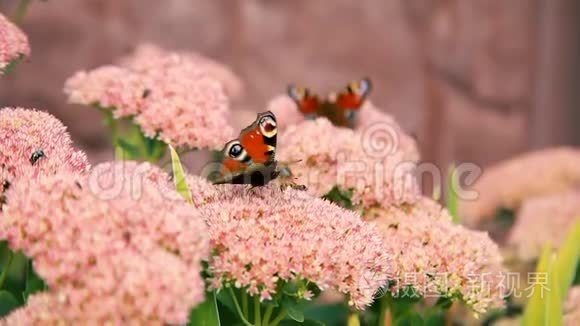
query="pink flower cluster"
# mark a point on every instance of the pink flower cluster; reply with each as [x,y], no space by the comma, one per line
[24,132]
[543,219]
[147,56]
[120,288]
[109,245]
[13,43]
[378,162]
[268,235]
[112,87]
[439,258]
[509,183]
[170,96]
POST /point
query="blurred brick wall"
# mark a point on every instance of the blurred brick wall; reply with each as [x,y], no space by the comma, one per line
[458,74]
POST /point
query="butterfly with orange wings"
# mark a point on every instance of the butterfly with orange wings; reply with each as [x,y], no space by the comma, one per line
[341,109]
[251,159]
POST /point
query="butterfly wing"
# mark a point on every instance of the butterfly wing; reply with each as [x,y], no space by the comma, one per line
[260,138]
[250,159]
[352,98]
[307,102]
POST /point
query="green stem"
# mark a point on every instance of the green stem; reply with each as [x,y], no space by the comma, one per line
[21,11]
[112,123]
[267,315]
[353,319]
[245,304]
[279,318]
[257,311]
[384,306]
[5,270]
[237,305]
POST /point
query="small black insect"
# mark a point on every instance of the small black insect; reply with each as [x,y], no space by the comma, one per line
[36,156]
[146,93]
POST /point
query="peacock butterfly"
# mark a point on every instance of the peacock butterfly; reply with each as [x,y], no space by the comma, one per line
[341,109]
[251,158]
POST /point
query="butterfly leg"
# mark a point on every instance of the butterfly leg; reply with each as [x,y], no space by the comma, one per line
[293,185]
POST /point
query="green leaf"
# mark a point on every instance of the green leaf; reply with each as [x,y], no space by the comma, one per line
[15,281]
[179,176]
[205,314]
[409,318]
[554,300]
[295,311]
[155,149]
[535,309]
[340,197]
[567,259]
[296,314]
[444,303]
[225,299]
[7,70]
[452,199]
[306,322]
[125,150]
[435,318]
[6,256]
[333,314]
[34,283]
[7,303]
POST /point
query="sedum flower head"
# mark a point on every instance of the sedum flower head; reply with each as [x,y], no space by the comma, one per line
[147,56]
[13,43]
[171,97]
[187,108]
[27,133]
[374,162]
[509,183]
[271,235]
[439,258]
[116,236]
[123,287]
[543,219]
[117,88]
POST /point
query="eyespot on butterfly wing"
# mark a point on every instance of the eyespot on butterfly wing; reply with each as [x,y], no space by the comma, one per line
[250,159]
[260,138]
